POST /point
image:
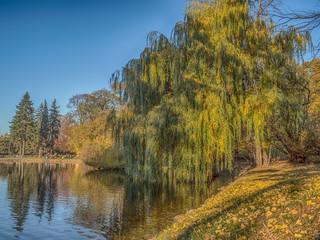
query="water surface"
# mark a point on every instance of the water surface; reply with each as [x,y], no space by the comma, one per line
[68,201]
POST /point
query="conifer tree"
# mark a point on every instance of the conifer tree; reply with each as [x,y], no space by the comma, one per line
[38,117]
[22,126]
[54,124]
[42,117]
[45,126]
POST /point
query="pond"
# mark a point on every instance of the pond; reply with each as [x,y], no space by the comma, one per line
[71,201]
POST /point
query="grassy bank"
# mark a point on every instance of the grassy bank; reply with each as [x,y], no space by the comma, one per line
[276,202]
[40,160]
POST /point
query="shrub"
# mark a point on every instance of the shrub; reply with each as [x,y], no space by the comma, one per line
[101,153]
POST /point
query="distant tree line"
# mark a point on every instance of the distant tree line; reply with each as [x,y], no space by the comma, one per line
[85,130]
[32,132]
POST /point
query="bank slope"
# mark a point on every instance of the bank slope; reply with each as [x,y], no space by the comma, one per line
[281,201]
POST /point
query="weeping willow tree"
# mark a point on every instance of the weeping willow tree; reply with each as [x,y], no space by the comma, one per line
[189,103]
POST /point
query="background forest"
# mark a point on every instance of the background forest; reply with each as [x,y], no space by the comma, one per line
[228,87]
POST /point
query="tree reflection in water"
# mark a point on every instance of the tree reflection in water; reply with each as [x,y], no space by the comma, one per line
[95,203]
[31,185]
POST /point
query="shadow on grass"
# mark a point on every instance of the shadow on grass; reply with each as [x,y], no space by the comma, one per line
[306,173]
[262,171]
[298,175]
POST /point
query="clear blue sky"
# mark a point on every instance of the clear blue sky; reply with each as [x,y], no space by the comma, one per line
[59,48]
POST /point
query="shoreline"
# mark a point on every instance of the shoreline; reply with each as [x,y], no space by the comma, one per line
[10,160]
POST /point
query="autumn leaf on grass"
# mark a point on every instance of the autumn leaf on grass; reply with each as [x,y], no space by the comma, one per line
[268,214]
[309,203]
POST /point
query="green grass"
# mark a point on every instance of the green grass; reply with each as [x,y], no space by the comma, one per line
[39,160]
[276,202]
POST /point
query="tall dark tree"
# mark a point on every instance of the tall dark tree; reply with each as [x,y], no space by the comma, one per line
[38,117]
[42,119]
[54,124]
[22,126]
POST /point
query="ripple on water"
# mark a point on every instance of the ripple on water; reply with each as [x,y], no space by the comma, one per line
[43,201]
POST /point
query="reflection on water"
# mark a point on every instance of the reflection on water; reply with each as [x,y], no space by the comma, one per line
[65,201]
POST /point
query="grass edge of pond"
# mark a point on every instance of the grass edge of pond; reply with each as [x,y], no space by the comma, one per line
[40,160]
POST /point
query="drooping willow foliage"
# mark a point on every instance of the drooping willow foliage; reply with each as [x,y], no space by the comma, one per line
[189,102]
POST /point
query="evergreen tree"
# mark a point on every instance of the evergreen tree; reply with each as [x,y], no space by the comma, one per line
[54,124]
[22,126]
[38,118]
[43,127]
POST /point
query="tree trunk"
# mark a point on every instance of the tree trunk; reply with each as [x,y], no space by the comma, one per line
[265,157]
[40,150]
[51,145]
[261,157]
[23,147]
[20,150]
[269,157]
[258,156]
